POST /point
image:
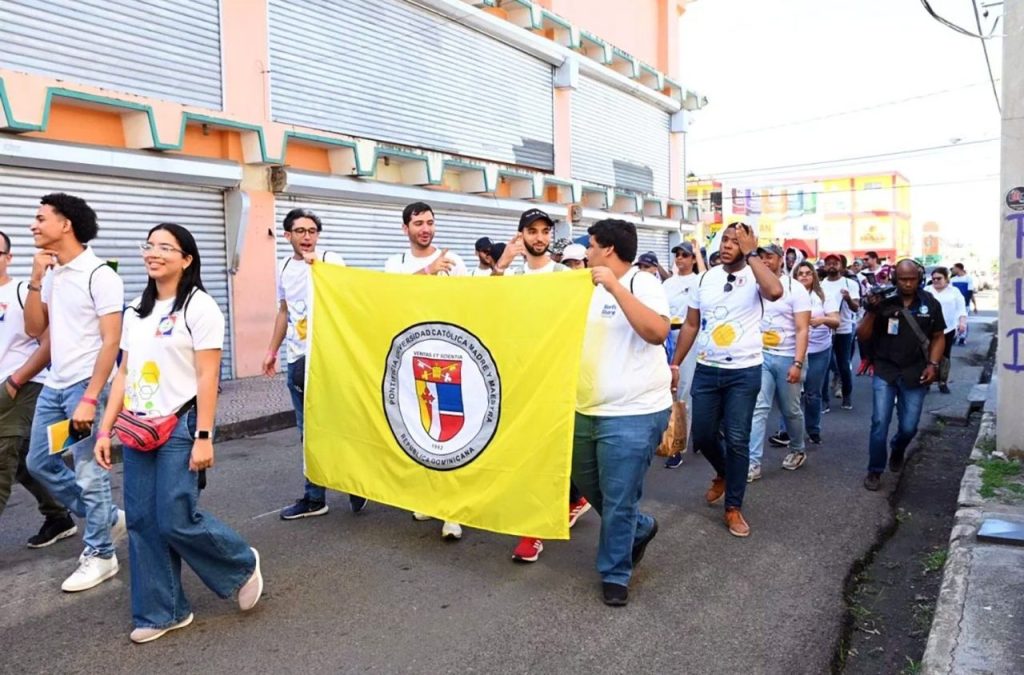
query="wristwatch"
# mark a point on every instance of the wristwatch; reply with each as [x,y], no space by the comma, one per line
[799,364]
[934,364]
[203,435]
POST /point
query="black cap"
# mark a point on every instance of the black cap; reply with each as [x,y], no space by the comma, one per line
[483,244]
[647,259]
[684,247]
[531,216]
[774,249]
[497,250]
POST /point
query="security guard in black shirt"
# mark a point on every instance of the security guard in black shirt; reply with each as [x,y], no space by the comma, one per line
[906,330]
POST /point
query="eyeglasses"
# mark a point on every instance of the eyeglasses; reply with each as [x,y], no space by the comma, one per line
[302,232]
[162,249]
[729,281]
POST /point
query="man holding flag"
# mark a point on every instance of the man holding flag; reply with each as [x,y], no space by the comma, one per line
[623,401]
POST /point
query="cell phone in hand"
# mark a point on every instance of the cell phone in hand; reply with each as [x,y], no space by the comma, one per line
[75,435]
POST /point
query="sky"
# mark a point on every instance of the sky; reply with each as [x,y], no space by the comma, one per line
[788,82]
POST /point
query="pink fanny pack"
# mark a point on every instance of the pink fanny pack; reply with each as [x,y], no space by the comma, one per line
[146,434]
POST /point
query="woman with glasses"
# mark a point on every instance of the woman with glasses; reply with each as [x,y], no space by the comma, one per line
[172,340]
[954,310]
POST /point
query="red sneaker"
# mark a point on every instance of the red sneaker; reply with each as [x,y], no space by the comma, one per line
[528,550]
[577,509]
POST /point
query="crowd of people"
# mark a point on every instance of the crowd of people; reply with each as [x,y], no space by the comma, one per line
[719,338]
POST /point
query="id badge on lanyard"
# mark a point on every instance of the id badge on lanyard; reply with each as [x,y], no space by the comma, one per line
[893,327]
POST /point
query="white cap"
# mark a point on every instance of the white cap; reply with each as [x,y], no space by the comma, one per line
[574,252]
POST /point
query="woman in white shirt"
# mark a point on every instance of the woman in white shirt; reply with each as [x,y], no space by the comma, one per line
[954,310]
[171,341]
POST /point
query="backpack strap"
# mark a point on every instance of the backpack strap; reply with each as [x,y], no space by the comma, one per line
[184,310]
[91,275]
[17,293]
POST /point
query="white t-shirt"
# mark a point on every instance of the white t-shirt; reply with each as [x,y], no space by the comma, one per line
[407,263]
[821,336]
[76,295]
[161,348]
[15,346]
[678,289]
[294,288]
[730,321]
[847,317]
[551,266]
[953,305]
[620,372]
[778,323]
[481,272]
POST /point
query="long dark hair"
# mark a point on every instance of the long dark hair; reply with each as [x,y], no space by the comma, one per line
[190,277]
[815,284]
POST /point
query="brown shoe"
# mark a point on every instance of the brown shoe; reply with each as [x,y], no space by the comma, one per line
[716,491]
[734,520]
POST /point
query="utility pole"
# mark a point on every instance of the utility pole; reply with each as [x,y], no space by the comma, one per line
[1010,359]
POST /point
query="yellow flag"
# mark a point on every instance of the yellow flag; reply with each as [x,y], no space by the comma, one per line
[449,396]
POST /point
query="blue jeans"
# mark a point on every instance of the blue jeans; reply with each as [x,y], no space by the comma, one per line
[84,491]
[723,410]
[841,358]
[610,456]
[314,492]
[165,526]
[908,401]
[774,371]
[817,373]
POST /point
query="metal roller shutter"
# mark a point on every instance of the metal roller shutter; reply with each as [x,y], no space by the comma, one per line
[654,240]
[126,210]
[169,49]
[391,71]
[618,140]
[366,234]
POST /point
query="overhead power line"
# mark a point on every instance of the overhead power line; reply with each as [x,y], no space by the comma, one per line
[952,26]
[988,62]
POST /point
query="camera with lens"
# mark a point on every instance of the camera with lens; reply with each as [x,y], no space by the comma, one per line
[880,293]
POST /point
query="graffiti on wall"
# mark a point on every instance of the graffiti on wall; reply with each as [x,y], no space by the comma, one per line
[1015,335]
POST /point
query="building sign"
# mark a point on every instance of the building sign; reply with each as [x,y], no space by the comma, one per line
[873,233]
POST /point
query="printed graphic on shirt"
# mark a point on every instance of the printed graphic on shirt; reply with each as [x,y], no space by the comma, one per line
[142,386]
[718,329]
[165,326]
[3,311]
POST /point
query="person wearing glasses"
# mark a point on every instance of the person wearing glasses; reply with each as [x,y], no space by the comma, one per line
[23,370]
[80,300]
[954,309]
[172,341]
[723,323]
[302,229]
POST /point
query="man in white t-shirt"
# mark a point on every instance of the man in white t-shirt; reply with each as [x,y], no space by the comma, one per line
[424,258]
[678,288]
[302,229]
[723,324]
[785,330]
[847,291]
[622,401]
[23,370]
[533,242]
[80,300]
[483,254]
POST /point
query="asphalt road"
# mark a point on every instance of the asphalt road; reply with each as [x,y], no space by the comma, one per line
[378,592]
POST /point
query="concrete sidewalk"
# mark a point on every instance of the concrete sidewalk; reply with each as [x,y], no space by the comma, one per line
[978,625]
[253,405]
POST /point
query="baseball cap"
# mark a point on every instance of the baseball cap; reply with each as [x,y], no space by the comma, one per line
[559,246]
[684,247]
[647,259]
[833,255]
[774,249]
[497,250]
[574,252]
[531,216]
[483,244]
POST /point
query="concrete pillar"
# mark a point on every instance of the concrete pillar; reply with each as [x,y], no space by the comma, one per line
[1010,363]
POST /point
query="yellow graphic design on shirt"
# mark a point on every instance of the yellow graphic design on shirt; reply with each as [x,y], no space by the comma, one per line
[724,334]
[142,387]
[771,339]
[300,328]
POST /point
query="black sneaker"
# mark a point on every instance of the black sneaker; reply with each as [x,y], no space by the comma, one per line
[943,387]
[615,595]
[896,462]
[814,438]
[779,440]
[847,404]
[640,547]
[873,481]
[303,508]
[357,503]
[52,531]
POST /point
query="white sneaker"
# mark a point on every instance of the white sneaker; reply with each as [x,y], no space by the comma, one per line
[420,516]
[92,571]
[249,594]
[754,473]
[142,635]
[451,531]
[119,530]
[794,461]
